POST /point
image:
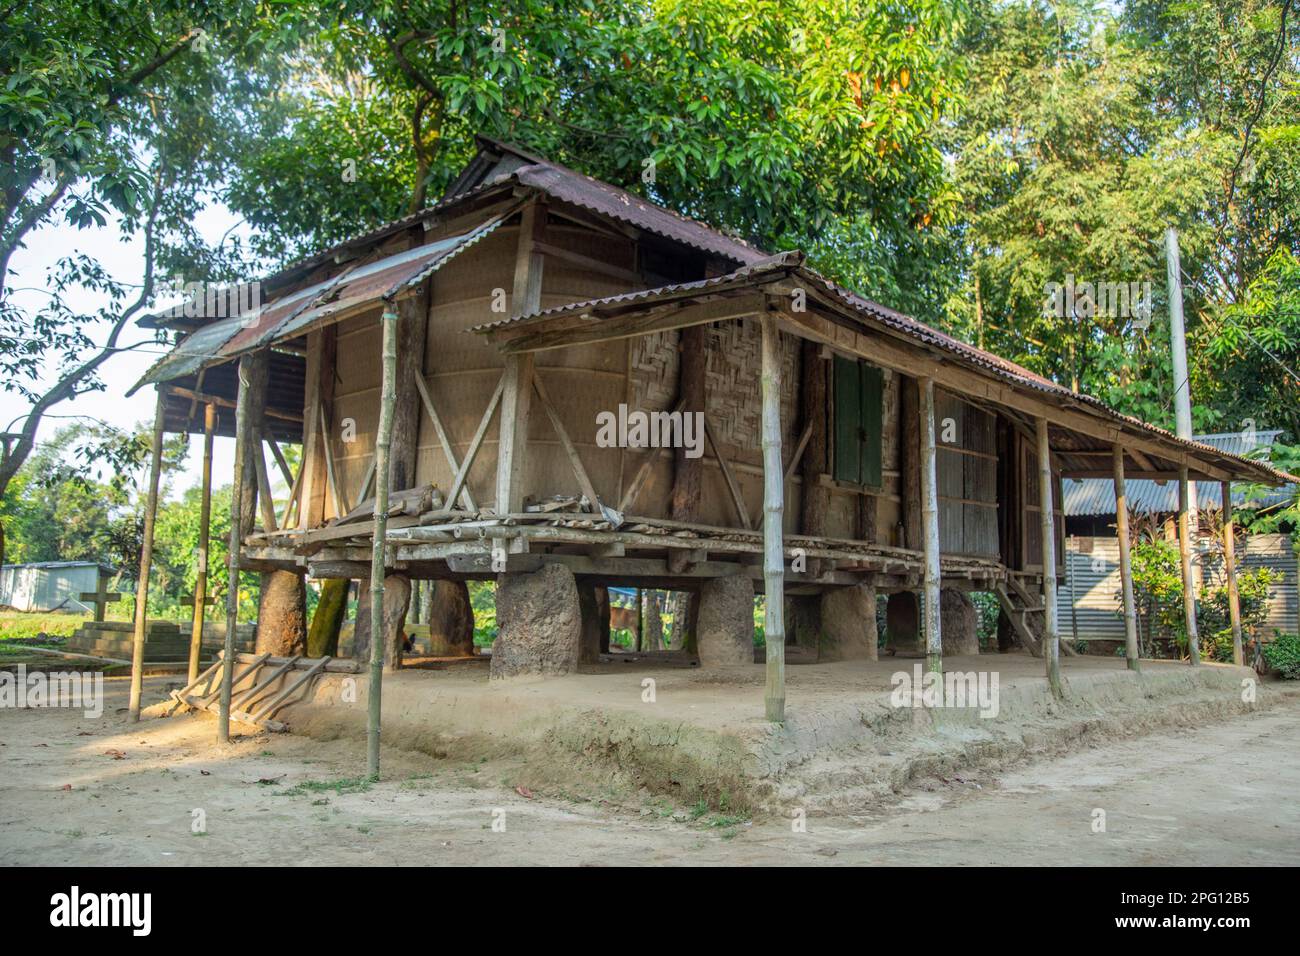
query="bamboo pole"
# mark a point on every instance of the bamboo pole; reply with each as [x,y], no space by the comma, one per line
[146,563]
[1051,626]
[1125,562]
[773,510]
[383,468]
[232,560]
[930,530]
[1185,559]
[205,528]
[1230,571]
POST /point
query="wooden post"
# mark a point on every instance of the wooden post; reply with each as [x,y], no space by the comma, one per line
[773,512]
[146,563]
[516,399]
[639,645]
[383,476]
[256,366]
[246,374]
[205,528]
[930,529]
[1230,571]
[1185,559]
[688,473]
[316,468]
[813,398]
[411,325]
[909,428]
[1125,561]
[1051,626]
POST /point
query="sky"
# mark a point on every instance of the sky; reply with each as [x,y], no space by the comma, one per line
[124,261]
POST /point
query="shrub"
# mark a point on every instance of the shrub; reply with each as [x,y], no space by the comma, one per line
[1254,588]
[1283,655]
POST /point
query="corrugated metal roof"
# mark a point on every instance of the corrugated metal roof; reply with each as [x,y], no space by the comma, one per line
[789,264]
[1096,496]
[499,162]
[499,165]
[762,268]
[367,282]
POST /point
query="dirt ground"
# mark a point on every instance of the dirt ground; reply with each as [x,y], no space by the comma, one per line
[1221,793]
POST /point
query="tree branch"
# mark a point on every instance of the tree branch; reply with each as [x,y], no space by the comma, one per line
[66,387]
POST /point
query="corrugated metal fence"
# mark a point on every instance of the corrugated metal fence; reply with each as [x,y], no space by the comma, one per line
[1089,597]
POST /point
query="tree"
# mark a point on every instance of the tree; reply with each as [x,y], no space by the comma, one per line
[787,121]
[107,112]
[1086,130]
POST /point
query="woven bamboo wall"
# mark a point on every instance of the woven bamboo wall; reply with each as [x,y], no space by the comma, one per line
[462,370]
[356,398]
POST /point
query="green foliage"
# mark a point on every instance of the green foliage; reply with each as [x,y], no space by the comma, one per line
[987,611]
[1253,590]
[1255,347]
[25,625]
[1158,593]
[482,598]
[1088,129]
[1282,654]
[1274,520]
[788,121]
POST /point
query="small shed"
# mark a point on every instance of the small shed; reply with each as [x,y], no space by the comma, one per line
[1088,593]
[51,585]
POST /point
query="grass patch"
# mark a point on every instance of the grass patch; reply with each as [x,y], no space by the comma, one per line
[346,785]
[26,625]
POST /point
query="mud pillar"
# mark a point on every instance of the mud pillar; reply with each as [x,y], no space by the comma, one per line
[960,622]
[450,617]
[593,605]
[540,623]
[804,612]
[397,599]
[903,623]
[848,617]
[725,633]
[282,614]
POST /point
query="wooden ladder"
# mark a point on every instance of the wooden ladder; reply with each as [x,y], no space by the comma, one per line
[1018,603]
[249,704]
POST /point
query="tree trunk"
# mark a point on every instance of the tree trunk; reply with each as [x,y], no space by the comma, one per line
[690,643]
[593,608]
[282,614]
[397,597]
[450,618]
[331,609]
[652,632]
[804,612]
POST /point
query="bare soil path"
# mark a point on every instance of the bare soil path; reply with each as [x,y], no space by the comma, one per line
[1223,793]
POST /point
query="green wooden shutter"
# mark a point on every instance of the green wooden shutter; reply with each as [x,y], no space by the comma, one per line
[848,420]
[872,422]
